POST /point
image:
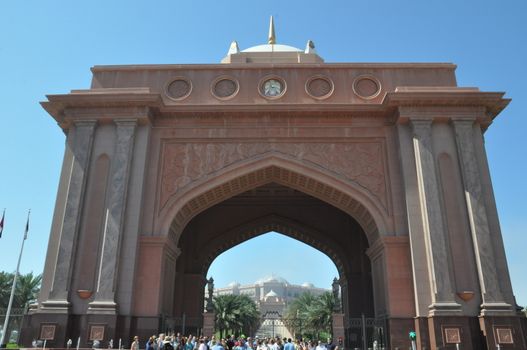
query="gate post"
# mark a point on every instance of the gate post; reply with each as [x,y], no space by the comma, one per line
[338,328]
[208,324]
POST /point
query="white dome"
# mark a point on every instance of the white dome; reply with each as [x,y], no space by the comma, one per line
[271,279]
[272,48]
[308,285]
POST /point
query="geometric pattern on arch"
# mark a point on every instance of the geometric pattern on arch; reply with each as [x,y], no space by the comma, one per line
[286,177]
[280,224]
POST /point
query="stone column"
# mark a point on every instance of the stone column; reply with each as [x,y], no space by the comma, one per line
[443,300]
[479,226]
[104,301]
[81,148]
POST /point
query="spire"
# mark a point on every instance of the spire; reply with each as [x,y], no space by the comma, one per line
[233,49]
[272,37]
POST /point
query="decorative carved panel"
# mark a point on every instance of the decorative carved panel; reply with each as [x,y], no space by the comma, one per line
[504,335]
[96,332]
[224,88]
[47,331]
[366,87]
[360,162]
[319,87]
[179,88]
[452,335]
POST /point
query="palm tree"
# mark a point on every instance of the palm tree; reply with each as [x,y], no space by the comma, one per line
[6,280]
[236,313]
[27,288]
[321,312]
[311,314]
[297,315]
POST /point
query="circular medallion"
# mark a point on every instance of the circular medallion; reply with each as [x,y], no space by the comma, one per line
[272,87]
[179,88]
[366,87]
[319,87]
[224,88]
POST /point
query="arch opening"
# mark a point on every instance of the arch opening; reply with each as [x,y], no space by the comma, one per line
[273,255]
[272,207]
[274,270]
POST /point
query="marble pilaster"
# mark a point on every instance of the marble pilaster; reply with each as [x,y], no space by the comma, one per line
[479,226]
[81,145]
[443,300]
[104,301]
[419,265]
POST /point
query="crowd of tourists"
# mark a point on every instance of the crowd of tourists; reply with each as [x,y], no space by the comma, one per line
[178,342]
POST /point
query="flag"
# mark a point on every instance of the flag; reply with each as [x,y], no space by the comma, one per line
[2,224]
[27,227]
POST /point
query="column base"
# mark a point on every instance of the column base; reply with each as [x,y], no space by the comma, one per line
[446,331]
[53,325]
[510,332]
[397,332]
[208,324]
[445,309]
[54,307]
[423,335]
[497,309]
[101,307]
[338,328]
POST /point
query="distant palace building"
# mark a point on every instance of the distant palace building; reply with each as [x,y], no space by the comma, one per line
[271,293]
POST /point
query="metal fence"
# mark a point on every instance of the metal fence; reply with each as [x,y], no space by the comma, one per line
[15,324]
[182,324]
[366,333]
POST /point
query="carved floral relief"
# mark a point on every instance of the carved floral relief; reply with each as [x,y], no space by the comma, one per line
[184,163]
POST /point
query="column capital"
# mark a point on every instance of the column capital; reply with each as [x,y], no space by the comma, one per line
[126,122]
[421,127]
[463,120]
[85,122]
[420,122]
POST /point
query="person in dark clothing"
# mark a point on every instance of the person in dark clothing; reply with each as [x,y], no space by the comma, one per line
[230,342]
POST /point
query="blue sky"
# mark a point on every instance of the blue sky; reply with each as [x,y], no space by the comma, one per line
[47,47]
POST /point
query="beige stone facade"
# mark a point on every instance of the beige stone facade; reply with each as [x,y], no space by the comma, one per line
[270,293]
[380,166]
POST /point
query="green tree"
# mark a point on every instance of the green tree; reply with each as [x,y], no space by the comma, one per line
[321,312]
[6,281]
[297,315]
[308,315]
[27,288]
[235,313]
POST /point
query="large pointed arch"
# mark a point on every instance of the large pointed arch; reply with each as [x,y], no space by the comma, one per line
[345,195]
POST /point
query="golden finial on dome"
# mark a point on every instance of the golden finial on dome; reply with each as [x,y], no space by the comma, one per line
[272,38]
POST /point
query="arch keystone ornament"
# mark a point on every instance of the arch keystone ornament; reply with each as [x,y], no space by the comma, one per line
[389,180]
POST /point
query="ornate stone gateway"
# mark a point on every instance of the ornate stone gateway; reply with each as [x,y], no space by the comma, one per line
[380,166]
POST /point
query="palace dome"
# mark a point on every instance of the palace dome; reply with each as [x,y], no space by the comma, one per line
[272,279]
[272,48]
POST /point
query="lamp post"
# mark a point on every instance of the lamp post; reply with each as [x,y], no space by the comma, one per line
[413,336]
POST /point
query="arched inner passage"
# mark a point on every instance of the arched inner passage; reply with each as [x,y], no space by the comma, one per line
[273,207]
[272,256]
[274,270]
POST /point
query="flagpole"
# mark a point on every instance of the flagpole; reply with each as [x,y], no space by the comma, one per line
[8,313]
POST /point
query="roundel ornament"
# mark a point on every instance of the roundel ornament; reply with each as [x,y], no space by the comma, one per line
[272,88]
